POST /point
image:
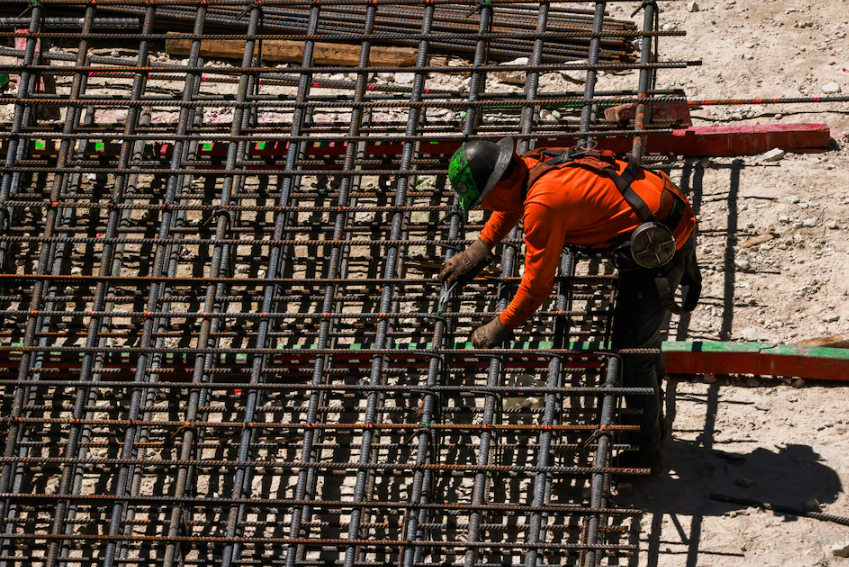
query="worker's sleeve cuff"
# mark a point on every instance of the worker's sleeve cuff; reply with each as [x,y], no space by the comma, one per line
[506,322]
[489,244]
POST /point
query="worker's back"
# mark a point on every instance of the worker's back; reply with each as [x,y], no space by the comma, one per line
[586,205]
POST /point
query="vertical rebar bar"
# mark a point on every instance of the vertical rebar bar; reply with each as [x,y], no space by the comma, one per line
[495,372]
[269,291]
[426,441]
[592,75]
[643,113]
[551,407]
[6,185]
[160,256]
[219,260]
[392,253]
[307,478]
[602,458]
[24,92]
[48,254]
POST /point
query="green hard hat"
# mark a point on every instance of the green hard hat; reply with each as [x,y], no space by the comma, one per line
[476,167]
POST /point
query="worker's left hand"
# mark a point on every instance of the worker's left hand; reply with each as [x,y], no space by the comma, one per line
[491,335]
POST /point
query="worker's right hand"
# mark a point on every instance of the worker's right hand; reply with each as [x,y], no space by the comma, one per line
[463,267]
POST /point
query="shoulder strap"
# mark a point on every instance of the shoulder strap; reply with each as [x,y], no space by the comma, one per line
[549,160]
[623,183]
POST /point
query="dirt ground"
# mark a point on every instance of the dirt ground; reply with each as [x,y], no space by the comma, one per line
[761,439]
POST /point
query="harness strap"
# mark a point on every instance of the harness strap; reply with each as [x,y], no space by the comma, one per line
[601,161]
[675,215]
[623,183]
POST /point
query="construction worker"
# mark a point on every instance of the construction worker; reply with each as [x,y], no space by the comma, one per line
[588,199]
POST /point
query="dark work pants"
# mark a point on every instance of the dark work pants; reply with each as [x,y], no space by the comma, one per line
[637,320]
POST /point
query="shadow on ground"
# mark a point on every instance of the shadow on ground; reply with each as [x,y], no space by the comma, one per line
[789,475]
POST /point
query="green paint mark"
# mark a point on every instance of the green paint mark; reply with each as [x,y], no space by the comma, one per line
[99,146]
[207,147]
[760,348]
[40,145]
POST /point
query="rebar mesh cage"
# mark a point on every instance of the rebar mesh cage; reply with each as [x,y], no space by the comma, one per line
[222,339]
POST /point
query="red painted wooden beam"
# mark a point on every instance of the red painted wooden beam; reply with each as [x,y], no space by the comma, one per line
[763,359]
[710,141]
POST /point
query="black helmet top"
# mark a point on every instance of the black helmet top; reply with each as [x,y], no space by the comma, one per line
[476,167]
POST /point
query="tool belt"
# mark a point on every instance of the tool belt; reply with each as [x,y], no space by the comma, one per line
[652,244]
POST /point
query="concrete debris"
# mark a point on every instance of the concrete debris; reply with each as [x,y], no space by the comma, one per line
[840,549]
[512,77]
[692,7]
[579,77]
[810,222]
[750,333]
[773,155]
[830,317]
[405,78]
[832,225]
[831,88]
[760,239]
[549,116]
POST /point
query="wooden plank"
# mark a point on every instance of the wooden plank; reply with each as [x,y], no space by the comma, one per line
[293,52]
[763,359]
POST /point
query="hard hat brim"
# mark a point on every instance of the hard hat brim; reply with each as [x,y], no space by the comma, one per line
[505,154]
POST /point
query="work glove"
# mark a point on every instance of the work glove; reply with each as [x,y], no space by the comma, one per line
[491,335]
[463,267]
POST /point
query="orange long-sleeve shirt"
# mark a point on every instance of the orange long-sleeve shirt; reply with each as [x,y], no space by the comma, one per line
[571,205]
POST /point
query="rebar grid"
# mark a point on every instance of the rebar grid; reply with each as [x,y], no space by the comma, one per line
[222,341]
